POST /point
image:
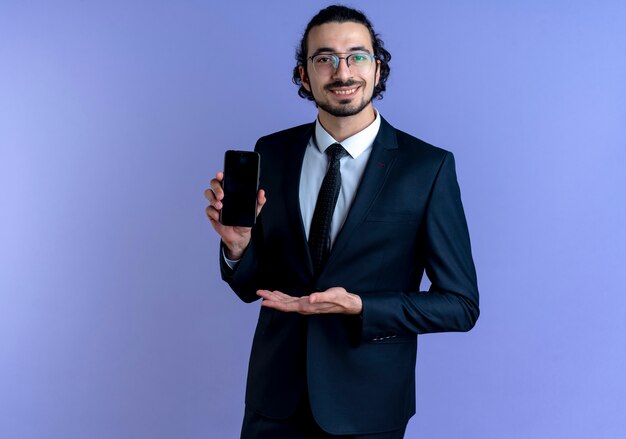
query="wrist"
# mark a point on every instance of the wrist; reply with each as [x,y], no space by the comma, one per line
[233,252]
[357,308]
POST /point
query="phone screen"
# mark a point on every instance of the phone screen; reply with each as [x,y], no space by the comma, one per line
[240,184]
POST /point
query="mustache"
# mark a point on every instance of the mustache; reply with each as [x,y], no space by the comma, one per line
[338,84]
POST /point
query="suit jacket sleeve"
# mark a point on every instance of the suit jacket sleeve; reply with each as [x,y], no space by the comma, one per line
[242,278]
[451,304]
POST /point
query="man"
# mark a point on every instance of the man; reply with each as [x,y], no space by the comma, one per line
[340,248]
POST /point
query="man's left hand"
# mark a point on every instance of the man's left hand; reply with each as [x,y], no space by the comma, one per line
[334,300]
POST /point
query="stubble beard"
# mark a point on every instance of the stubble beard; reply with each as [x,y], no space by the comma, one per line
[344,109]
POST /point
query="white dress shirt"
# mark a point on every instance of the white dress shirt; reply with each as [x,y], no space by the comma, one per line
[314,166]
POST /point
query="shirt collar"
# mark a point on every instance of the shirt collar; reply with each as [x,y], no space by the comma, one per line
[355,145]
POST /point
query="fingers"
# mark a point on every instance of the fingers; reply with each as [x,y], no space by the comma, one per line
[277,296]
[260,201]
[235,239]
[303,305]
[282,302]
[215,192]
[213,214]
[216,185]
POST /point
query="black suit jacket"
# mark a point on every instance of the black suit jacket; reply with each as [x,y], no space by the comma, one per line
[406,217]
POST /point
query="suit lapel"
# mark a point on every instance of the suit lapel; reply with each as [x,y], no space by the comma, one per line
[294,157]
[378,168]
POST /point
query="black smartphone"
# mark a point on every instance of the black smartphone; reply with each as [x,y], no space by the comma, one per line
[240,184]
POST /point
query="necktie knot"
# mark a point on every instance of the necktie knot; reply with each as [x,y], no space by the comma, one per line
[335,152]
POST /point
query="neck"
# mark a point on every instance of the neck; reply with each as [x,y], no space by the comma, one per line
[343,127]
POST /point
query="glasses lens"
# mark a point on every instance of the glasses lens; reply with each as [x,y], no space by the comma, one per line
[361,62]
[327,63]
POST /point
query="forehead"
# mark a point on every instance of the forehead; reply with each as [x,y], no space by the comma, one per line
[339,37]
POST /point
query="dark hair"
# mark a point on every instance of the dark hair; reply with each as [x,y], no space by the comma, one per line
[342,14]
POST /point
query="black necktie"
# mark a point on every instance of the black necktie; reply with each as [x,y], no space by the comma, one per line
[319,233]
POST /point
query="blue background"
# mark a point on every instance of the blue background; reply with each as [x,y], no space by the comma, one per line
[114,116]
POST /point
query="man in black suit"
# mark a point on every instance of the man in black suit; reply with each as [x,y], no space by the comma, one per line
[339,250]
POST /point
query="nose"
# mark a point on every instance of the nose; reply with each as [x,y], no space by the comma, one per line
[342,71]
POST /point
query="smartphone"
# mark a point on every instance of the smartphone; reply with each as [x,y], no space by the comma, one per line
[240,184]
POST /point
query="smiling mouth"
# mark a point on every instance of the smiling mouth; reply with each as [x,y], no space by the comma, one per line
[345,92]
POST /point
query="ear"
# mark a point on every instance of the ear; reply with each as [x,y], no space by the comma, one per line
[305,79]
[377,72]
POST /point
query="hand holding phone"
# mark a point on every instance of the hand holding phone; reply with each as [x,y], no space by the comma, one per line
[234,238]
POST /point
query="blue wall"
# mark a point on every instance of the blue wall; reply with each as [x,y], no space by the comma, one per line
[114,116]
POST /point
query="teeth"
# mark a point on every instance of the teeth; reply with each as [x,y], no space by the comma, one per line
[344,92]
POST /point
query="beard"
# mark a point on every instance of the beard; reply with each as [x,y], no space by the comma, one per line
[344,109]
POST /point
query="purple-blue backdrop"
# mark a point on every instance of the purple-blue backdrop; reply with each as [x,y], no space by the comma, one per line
[114,115]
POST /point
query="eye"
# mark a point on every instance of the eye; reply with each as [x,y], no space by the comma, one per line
[323,59]
[359,58]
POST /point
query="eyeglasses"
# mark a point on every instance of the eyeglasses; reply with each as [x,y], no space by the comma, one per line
[328,63]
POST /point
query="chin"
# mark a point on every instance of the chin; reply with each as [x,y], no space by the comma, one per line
[344,109]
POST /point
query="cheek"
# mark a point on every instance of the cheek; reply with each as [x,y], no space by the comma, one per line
[314,85]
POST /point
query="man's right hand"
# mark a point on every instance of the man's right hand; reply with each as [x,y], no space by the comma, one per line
[235,239]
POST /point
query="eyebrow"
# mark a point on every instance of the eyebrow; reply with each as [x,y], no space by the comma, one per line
[331,50]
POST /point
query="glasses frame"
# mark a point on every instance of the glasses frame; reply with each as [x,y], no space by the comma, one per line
[337,60]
